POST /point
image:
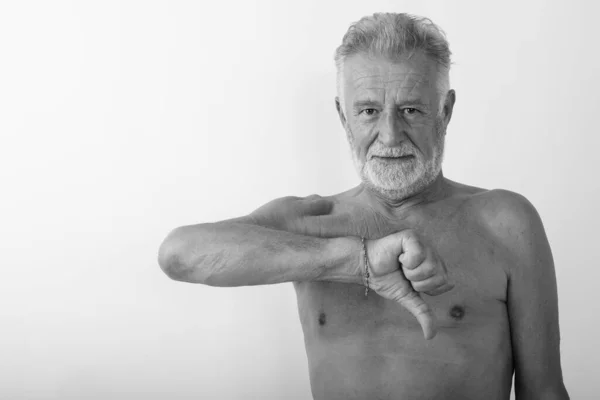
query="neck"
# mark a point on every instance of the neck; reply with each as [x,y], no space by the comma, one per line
[437,190]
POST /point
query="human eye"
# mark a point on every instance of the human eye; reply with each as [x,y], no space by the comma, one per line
[369,111]
[410,111]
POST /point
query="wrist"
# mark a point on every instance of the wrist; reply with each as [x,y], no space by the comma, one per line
[345,260]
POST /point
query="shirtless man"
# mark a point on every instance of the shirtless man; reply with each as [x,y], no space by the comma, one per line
[462,283]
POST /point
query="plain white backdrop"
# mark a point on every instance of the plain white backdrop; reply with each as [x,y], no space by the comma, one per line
[123,120]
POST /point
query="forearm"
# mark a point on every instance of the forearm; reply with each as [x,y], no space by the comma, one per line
[557,392]
[238,254]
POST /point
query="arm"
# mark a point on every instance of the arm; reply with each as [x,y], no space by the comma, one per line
[532,299]
[238,252]
[264,247]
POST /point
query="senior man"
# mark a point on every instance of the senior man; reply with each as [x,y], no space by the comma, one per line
[410,285]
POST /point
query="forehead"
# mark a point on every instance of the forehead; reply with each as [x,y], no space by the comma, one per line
[414,76]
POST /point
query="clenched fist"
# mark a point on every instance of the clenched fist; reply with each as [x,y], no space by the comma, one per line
[401,266]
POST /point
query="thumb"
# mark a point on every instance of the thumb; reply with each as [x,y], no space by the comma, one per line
[413,302]
[317,205]
[394,286]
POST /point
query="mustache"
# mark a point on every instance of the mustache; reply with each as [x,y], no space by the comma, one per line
[378,150]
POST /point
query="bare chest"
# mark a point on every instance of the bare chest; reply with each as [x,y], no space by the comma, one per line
[371,347]
[329,311]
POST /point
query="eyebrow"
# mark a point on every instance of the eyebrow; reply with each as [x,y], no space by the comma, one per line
[413,102]
[362,103]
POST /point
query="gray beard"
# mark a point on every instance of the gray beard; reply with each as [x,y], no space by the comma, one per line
[399,180]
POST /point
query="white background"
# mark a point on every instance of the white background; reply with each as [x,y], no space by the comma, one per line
[123,120]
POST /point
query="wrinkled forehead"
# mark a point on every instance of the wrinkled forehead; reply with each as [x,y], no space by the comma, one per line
[405,77]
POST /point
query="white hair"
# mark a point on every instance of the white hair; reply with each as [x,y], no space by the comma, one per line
[393,36]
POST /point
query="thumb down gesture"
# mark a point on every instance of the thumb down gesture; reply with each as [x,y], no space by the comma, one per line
[401,267]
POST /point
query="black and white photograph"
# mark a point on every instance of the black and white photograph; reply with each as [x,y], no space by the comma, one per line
[309,200]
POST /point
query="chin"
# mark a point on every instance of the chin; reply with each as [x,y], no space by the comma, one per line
[399,186]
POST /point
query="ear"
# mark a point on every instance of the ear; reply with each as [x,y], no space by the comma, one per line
[449,106]
[338,107]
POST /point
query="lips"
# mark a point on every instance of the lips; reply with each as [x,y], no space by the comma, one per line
[394,157]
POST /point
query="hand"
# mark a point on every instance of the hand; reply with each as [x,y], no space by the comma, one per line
[401,267]
[315,216]
[304,216]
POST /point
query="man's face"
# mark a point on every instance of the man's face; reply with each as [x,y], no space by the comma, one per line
[393,122]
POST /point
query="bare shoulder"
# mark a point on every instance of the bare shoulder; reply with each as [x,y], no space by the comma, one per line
[503,211]
[512,221]
[499,211]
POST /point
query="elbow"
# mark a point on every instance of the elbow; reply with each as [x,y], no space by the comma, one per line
[182,259]
[171,256]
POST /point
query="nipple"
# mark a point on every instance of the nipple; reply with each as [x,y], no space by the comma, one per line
[322,319]
[457,312]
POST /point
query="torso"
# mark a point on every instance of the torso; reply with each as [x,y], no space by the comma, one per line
[371,348]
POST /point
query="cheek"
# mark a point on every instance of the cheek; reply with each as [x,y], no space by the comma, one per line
[362,146]
[425,145]
[363,137]
[424,137]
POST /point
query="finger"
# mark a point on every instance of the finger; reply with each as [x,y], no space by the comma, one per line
[317,205]
[413,252]
[432,283]
[441,290]
[424,271]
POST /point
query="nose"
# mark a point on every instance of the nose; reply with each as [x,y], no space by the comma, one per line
[391,129]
